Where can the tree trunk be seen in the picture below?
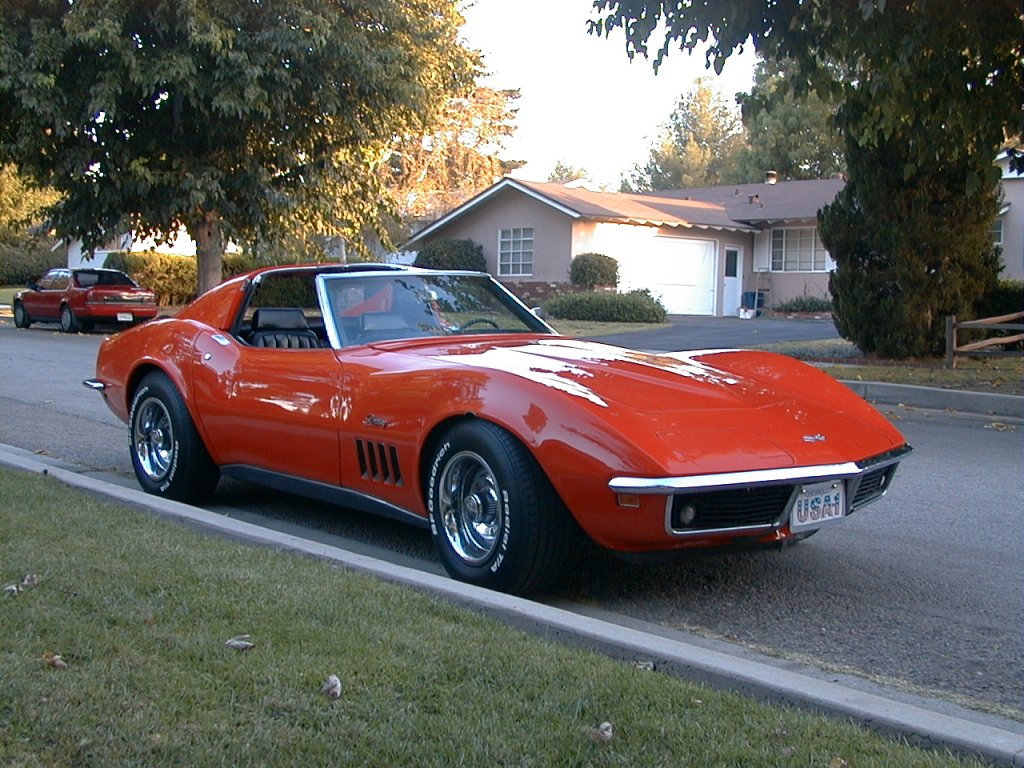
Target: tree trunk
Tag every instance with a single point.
(209, 240)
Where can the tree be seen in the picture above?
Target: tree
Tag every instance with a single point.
(427, 175)
(237, 119)
(698, 145)
(927, 92)
(794, 136)
(564, 172)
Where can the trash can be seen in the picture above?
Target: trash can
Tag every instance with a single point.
(753, 299)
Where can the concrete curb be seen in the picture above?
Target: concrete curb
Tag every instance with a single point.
(993, 740)
(939, 399)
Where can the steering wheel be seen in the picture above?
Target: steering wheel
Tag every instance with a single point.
(478, 321)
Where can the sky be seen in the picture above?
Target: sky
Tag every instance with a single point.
(583, 102)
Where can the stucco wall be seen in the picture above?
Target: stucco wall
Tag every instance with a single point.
(1013, 225)
(551, 234)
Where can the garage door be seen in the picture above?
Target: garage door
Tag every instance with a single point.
(679, 272)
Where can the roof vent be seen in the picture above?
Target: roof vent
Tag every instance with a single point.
(771, 177)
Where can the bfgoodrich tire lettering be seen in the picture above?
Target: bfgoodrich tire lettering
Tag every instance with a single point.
(495, 518)
(168, 455)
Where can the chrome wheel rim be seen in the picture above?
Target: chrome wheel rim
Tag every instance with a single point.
(471, 508)
(19, 314)
(153, 439)
(66, 319)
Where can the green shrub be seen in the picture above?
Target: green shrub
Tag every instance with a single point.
(24, 258)
(805, 304)
(1005, 298)
(590, 269)
(603, 306)
(452, 254)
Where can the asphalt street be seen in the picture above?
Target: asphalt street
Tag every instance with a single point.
(920, 590)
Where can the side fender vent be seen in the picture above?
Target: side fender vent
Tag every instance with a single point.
(378, 462)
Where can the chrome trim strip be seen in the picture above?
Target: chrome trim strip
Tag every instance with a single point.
(94, 384)
(671, 485)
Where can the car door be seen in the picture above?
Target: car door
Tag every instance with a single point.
(275, 409)
(43, 301)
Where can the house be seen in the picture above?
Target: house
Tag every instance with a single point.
(698, 250)
(1008, 231)
(180, 245)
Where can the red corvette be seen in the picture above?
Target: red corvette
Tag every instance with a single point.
(77, 298)
(438, 398)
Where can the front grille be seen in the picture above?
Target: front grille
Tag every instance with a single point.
(872, 486)
(379, 462)
(735, 508)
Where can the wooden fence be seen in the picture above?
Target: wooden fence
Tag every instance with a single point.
(989, 346)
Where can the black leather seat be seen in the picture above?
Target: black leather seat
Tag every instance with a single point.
(282, 328)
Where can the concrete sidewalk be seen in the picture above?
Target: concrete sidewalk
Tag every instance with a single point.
(923, 721)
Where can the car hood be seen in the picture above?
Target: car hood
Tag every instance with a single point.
(701, 410)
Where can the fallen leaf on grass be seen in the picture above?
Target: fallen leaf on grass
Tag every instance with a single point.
(788, 751)
(241, 643)
(646, 666)
(602, 734)
(54, 660)
(838, 762)
(331, 687)
(13, 590)
(30, 580)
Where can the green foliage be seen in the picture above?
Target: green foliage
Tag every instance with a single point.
(804, 304)
(907, 253)
(237, 120)
(603, 306)
(172, 278)
(590, 269)
(791, 135)
(25, 258)
(564, 172)
(1005, 298)
(452, 254)
(698, 145)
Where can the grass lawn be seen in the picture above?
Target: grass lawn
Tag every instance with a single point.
(7, 293)
(140, 609)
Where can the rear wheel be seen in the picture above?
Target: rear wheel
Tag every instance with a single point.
(68, 321)
(494, 516)
(168, 454)
(21, 318)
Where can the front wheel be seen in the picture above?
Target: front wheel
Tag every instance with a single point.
(21, 318)
(494, 516)
(168, 454)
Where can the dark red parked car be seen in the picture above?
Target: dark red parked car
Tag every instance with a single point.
(77, 298)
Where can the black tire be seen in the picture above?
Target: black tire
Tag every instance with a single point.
(68, 321)
(168, 455)
(21, 316)
(495, 519)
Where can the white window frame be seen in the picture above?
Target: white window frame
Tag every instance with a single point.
(515, 252)
(997, 231)
(797, 249)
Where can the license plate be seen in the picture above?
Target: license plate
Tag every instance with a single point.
(124, 317)
(818, 504)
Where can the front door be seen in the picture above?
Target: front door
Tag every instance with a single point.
(732, 294)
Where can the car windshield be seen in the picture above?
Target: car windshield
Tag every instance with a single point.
(364, 308)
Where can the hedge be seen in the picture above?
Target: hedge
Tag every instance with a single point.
(452, 254)
(23, 259)
(634, 307)
(172, 278)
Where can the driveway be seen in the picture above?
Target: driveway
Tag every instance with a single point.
(691, 332)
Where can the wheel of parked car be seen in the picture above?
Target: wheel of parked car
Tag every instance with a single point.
(168, 454)
(21, 318)
(68, 321)
(495, 518)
